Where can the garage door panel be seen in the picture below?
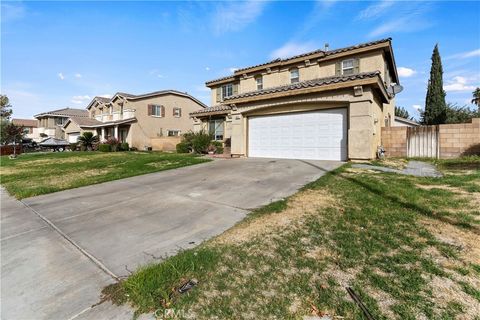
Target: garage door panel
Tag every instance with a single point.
(313, 135)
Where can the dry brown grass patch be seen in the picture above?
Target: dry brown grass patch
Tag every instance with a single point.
(300, 205)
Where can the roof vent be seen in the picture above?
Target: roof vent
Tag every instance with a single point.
(326, 47)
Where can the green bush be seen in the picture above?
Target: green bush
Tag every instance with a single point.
(124, 146)
(73, 146)
(196, 141)
(218, 147)
(104, 147)
(183, 147)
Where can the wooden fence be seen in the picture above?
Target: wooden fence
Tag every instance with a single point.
(422, 141)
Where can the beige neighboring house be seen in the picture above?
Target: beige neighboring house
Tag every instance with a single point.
(50, 123)
(28, 126)
(152, 120)
(402, 122)
(325, 104)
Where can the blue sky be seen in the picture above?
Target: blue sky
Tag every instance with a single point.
(59, 54)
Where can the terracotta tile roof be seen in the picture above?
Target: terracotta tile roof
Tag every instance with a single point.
(65, 112)
(306, 84)
(321, 52)
(218, 108)
(25, 122)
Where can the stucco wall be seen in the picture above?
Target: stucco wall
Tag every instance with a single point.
(165, 143)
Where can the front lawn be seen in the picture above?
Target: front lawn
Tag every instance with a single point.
(40, 173)
(408, 246)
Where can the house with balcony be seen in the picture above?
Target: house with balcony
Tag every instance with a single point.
(143, 121)
(325, 104)
(50, 123)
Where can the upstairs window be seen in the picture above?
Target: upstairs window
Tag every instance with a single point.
(227, 91)
(259, 81)
(177, 112)
(173, 133)
(348, 67)
(294, 76)
(60, 121)
(156, 110)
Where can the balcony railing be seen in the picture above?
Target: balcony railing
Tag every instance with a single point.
(116, 116)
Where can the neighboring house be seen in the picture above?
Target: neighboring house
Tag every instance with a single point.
(402, 122)
(140, 120)
(28, 126)
(325, 104)
(50, 123)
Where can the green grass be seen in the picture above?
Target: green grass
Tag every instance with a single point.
(375, 238)
(40, 173)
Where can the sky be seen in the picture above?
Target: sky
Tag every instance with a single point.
(63, 53)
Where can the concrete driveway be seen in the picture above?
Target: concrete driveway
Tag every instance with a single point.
(59, 250)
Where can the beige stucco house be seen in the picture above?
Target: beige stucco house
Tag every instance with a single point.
(144, 121)
(50, 123)
(28, 126)
(325, 104)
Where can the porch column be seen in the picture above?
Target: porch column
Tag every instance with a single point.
(103, 134)
(115, 132)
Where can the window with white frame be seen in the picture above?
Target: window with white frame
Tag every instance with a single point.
(177, 112)
(294, 76)
(156, 111)
(60, 121)
(259, 81)
(227, 90)
(173, 133)
(347, 67)
(215, 129)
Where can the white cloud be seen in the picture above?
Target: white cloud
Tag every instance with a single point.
(405, 72)
(160, 76)
(78, 75)
(375, 10)
(465, 55)
(408, 18)
(291, 49)
(80, 99)
(417, 107)
(207, 68)
(106, 95)
(61, 76)
(459, 83)
(234, 16)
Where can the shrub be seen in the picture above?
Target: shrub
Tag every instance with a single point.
(183, 147)
(197, 141)
(88, 140)
(124, 146)
(218, 147)
(73, 146)
(114, 144)
(104, 147)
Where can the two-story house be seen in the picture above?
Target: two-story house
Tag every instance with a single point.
(136, 119)
(325, 104)
(50, 123)
(28, 126)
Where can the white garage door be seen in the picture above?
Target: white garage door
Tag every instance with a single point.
(318, 135)
(73, 137)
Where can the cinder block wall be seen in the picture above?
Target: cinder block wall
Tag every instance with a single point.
(459, 139)
(394, 141)
(455, 140)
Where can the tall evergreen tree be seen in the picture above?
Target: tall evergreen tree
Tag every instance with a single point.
(435, 105)
(402, 112)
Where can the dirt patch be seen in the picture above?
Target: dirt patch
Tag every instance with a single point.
(162, 164)
(394, 163)
(300, 205)
(384, 300)
(463, 239)
(445, 290)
